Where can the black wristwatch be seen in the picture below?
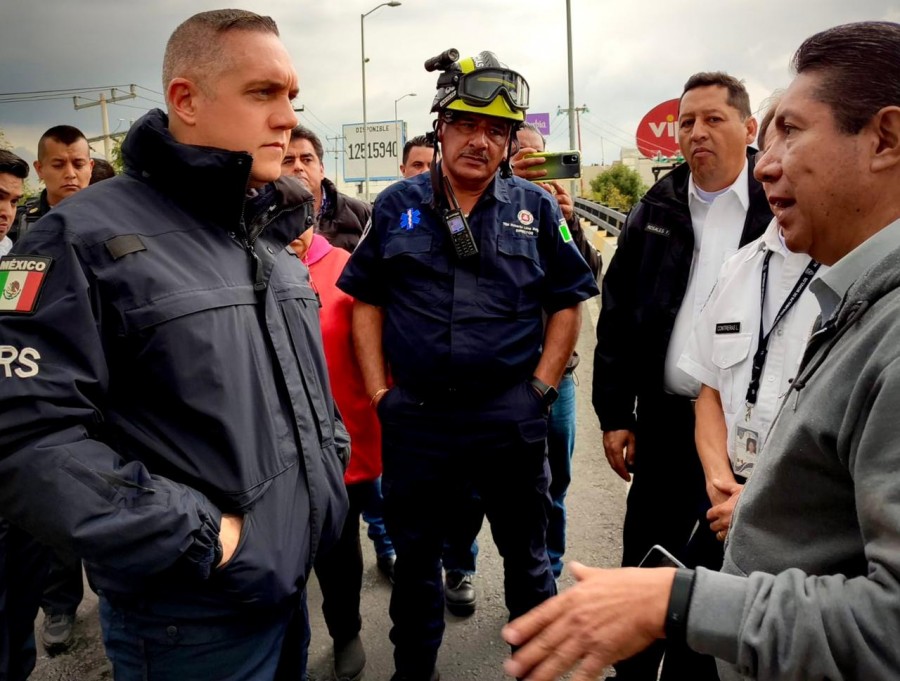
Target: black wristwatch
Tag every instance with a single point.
(679, 605)
(548, 393)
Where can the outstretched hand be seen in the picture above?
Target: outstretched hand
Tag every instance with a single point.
(609, 615)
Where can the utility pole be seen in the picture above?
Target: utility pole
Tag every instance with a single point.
(571, 110)
(575, 111)
(104, 114)
(337, 150)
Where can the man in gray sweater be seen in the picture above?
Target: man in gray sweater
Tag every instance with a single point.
(810, 588)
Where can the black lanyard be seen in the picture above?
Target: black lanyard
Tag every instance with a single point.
(759, 359)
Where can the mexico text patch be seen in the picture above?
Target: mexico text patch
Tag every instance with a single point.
(21, 279)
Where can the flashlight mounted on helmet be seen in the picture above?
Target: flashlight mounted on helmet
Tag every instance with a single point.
(479, 84)
(443, 61)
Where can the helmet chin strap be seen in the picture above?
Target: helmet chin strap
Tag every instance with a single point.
(505, 165)
(437, 188)
(505, 168)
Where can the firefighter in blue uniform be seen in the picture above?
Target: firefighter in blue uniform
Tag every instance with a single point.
(468, 290)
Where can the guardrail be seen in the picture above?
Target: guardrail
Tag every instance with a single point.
(601, 216)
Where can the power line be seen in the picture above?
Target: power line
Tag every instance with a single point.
(66, 90)
(132, 106)
(155, 101)
(155, 92)
(312, 126)
(321, 122)
(67, 93)
(102, 102)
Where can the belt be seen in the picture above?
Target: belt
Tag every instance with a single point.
(448, 394)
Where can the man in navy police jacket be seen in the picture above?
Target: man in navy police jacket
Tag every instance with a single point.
(165, 410)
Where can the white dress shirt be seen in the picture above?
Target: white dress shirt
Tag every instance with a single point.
(721, 349)
(6, 245)
(718, 225)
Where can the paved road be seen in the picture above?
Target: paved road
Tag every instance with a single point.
(472, 646)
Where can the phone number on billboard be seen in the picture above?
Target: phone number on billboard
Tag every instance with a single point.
(376, 150)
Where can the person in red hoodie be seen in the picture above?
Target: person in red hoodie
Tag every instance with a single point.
(340, 570)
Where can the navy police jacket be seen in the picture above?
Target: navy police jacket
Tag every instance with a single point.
(643, 290)
(166, 368)
(33, 210)
(473, 324)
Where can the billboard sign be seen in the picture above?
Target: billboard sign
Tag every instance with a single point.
(385, 146)
(657, 133)
(541, 121)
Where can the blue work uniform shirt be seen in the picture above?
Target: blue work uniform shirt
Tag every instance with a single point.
(475, 324)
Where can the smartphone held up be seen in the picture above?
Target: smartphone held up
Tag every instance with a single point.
(560, 165)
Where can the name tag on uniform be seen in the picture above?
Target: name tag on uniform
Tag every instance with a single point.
(656, 229)
(728, 327)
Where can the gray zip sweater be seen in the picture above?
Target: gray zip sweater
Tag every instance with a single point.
(810, 588)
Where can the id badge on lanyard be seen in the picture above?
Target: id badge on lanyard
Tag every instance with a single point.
(746, 445)
(747, 441)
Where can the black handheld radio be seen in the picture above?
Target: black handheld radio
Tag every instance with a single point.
(455, 220)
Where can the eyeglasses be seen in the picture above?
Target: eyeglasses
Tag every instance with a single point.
(496, 133)
(481, 87)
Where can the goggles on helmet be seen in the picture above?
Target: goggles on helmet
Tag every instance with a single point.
(482, 86)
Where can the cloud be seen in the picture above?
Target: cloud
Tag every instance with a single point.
(627, 57)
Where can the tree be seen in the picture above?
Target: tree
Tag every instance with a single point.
(117, 160)
(620, 187)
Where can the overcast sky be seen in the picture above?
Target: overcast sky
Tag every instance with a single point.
(629, 55)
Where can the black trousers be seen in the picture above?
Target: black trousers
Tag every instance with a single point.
(340, 569)
(437, 452)
(667, 501)
(23, 569)
(65, 586)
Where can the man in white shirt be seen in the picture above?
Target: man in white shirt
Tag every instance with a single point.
(733, 418)
(809, 587)
(745, 373)
(666, 264)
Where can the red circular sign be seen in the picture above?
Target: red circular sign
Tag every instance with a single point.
(657, 133)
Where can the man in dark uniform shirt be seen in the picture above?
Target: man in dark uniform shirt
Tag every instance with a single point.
(452, 281)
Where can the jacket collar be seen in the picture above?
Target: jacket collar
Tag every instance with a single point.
(330, 197)
(208, 182)
(671, 194)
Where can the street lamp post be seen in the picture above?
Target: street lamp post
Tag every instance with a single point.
(396, 119)
(362, 40)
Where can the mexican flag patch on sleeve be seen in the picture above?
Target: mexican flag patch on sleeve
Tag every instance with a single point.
(564, 231)
(21, 279)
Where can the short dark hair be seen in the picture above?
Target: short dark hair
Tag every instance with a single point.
(303, 133)
(13, 165)
(859, 65)
(64, 134)
(737, 94)
(102, 170)
(417, 141)
(195, 50)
